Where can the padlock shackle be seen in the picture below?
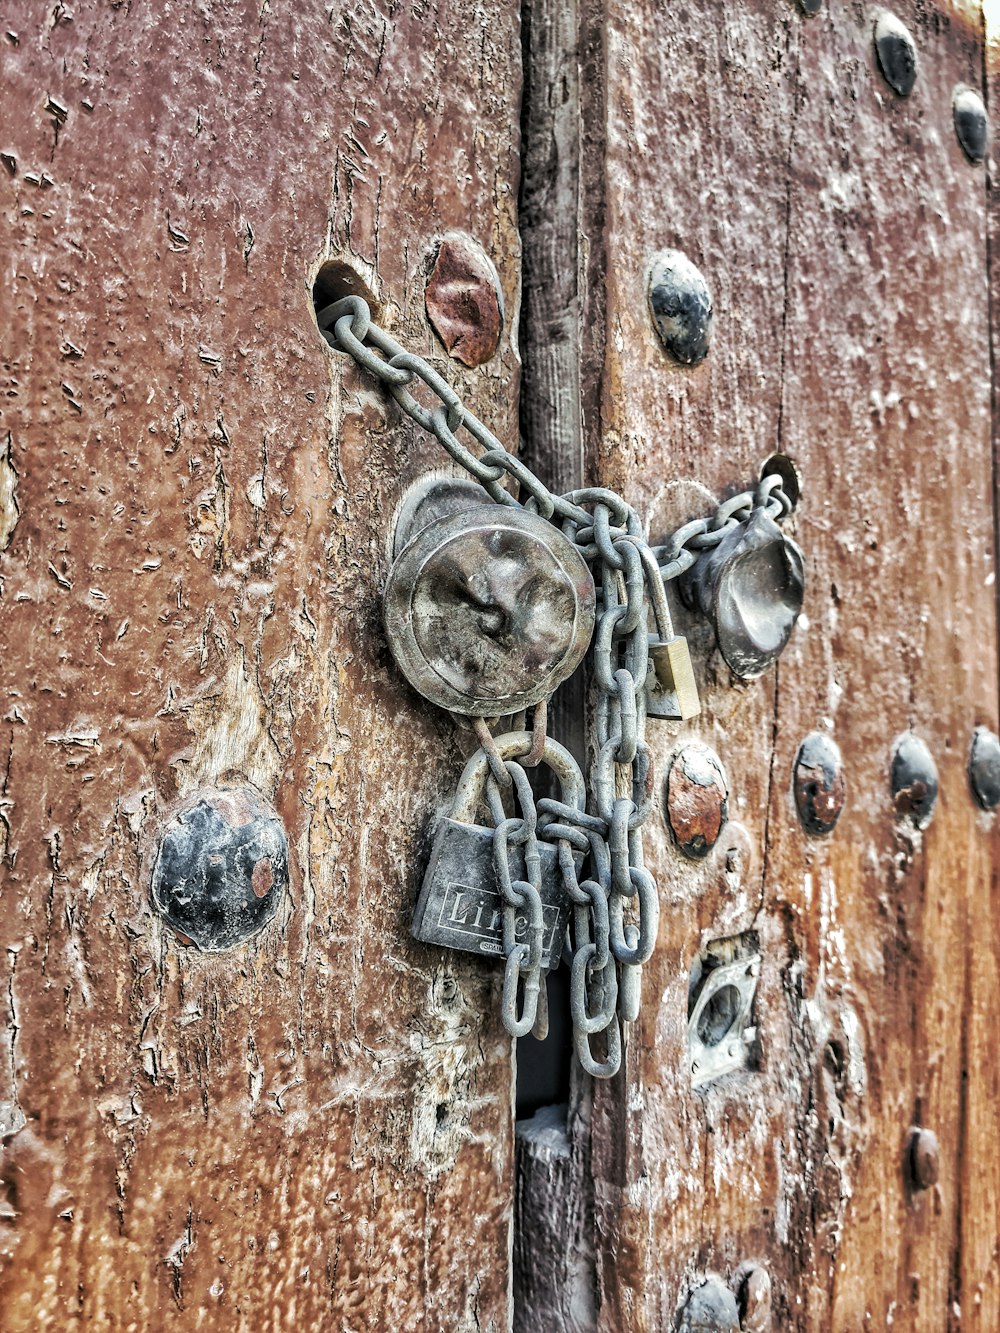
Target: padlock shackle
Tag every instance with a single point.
(471, 790)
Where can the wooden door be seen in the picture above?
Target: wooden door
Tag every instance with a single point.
(316, 1127)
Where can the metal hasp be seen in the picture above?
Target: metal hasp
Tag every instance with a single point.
(221, 867)
(897, 56)
(971, 125)
(818, 783)
(914, 779)
(681, 306)
(984, 768)
(460, 904)
(751, 587)
(711, 1308)
(719, 1030)
(697, 799)
(487, 611)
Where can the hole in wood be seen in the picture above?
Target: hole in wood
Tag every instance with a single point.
(337, 279)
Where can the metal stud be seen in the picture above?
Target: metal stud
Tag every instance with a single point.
(221, 867)
(463, 301)
(819, 783)
(697, 799)
(923, 1158)
(914, 780)
(971, 125)
(711, 1308)
(754, 1297)
(984, 767)
(681, 307)
(896, 52)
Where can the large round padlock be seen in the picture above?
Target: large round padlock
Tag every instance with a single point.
(489, 610)
(751, 588)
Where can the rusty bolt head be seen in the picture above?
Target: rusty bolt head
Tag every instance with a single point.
(488, 610)
(463, 301)
(984, 767)
(755, 1300)
(896, 52)
(711, 1308)
(819, 783)
(697, 799)
(681, 306)
(924, 1157)
(221, 867)
(914, 780)
(971, 125)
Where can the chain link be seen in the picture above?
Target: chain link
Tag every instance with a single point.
(616, 908)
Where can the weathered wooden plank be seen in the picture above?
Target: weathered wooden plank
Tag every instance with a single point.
(313, 1130)
(842, 232)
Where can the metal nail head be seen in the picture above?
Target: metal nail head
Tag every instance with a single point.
(924, 1157)
(221, 867)
(818, 783)
(681, 307)
(984, 767)
(971, 125)
(697, 799)
(914, 780)
(896, 52)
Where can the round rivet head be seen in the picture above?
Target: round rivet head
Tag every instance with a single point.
(463, 301)
(819, 783)
(923, 1158)
(488, 610)
(221, 867)
(971, 125)
(984, 768)
(711, 1308)
(697, 799)
(896, 52)
(681, 306)
(914, 780)
(755, 1301)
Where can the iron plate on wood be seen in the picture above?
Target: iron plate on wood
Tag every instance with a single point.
(489, 610)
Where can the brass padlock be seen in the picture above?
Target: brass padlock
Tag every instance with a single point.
(672, 691)
(459, 906)
(489, 610)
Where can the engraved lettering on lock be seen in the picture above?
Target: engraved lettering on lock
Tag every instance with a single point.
(477, 914)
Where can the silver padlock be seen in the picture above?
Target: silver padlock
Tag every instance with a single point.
(460, 906)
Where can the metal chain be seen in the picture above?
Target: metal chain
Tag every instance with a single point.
(524, 957)
(615, 909)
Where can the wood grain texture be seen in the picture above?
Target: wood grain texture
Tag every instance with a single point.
(313, 1131)
(843, 234)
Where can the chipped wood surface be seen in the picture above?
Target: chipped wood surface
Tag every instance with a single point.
(195, 497)
(843, 234)
(195, 503)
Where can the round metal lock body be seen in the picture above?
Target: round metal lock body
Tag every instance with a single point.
(221, 867)
(489, 610)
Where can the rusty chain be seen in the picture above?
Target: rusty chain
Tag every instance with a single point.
(607, 950)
